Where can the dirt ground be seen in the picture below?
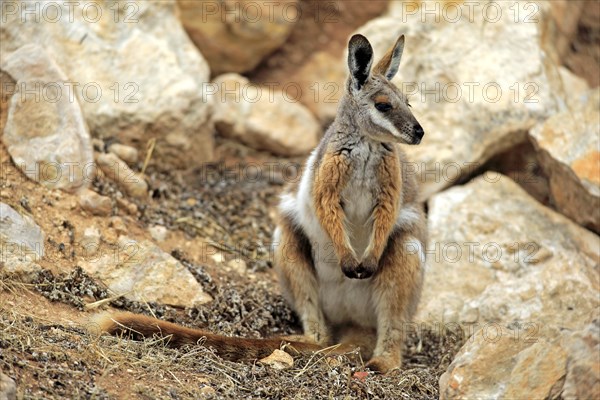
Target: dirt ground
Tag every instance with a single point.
(44, 345)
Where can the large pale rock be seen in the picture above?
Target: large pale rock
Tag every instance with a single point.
(141, 271)
(45, 132)
(523, 277)
(130, 65)
(476, 84)
(235, 36)
(21, 244)
(583, 364)
(501, 363)
(262, 117)
(568, 146)
(498, 364)
(497, 255)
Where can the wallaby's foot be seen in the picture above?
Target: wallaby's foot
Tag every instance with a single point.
(384, 365)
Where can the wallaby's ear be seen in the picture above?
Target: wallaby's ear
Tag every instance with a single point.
(360, 58)
(388, 65)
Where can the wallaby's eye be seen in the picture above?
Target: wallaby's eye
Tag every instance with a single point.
(383, 107)
(408, 104)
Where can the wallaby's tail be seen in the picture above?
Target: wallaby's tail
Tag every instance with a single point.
(230, 348)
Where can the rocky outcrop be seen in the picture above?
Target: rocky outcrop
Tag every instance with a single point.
(130, 66)
(568, 146)
(498, 364)
(501, 363)
(22, 244)
(520, 276)
(262, 117)
(45, 131)
(235, 36)
(141, 271)
(496, 255)
(476, 86)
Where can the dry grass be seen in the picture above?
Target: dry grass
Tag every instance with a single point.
(50, 360)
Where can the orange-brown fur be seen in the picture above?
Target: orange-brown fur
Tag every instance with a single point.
(232, 348)
(331, 177)
(386, 212)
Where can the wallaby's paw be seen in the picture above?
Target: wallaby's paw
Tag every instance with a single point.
(368, 267)
(383, 365)
(349, 265)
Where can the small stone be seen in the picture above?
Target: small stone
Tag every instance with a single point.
(207, 392)
(8, 388)
(94, 203)
(118, 225)
(98, 144)
(158, 233)
(238, 265)
(118, 171)
(278, 360)
(127, 206)
(126, 153)
(90, 241)
(110, 236)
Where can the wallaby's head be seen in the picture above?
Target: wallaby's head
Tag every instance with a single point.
(383, 110)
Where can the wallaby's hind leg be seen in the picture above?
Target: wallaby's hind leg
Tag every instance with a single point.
(294, 262)
(397, 288)
(351, 337)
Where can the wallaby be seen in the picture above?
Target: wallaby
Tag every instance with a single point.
(349, 244)
(351, 235)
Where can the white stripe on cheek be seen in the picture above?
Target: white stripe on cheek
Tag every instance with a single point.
(384, 123)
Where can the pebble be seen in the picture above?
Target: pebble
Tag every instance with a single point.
(158, 232)
(238, 265)
(94, 203)
(126, 153)
(90, 241)
(118, 171)
(118, 225)
(278, 360)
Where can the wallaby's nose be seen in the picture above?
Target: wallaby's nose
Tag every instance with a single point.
(418, 132)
